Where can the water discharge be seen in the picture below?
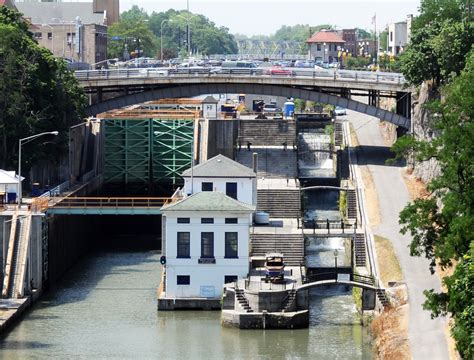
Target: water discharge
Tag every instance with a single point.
(105, 308)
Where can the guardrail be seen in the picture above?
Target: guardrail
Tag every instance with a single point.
(334, 275)
(170, 73)
(109, 202)
(55, 191)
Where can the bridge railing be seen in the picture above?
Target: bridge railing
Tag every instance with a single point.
(170, 73)
(109, 202)
(335, 275)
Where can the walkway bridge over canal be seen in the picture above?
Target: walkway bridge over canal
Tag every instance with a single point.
(107, 205)
(118, 88)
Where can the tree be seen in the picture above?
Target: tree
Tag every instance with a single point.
(37, 93)
(442, 226)
(440, 40)
(132, 34)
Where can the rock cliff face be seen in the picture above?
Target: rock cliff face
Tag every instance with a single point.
(423, 130)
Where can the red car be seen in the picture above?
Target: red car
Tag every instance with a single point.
(278, 70)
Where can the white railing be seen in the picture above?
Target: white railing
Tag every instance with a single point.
(56, 191)
(196, 72)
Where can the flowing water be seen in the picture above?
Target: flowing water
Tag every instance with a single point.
(105, 308)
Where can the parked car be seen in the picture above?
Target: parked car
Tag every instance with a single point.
(339, 111)
(278, 70)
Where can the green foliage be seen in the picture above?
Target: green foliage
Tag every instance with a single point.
(300, 105)
(343, 204)
(206, 37)
(356, 63)
(439, 42)
(383, 39)
(37, 93)
(442, 226)
(134, 34)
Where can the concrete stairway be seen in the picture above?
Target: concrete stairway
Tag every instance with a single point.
(359, 250)
(351, 205)
(272, 163)
(338, 134)
(242, 300)
(290, 245)
(288, 303)
(279, 203)
(267, 132)
(15, 268)
(383, 298)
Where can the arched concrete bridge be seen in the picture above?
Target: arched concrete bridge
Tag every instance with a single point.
(350, 279)
(132, 87)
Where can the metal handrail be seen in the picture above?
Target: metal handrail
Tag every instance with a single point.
(109, 202)
(170, 73)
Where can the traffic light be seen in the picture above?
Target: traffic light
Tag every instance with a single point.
(163, 260)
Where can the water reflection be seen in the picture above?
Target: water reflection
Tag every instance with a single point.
(106, 309)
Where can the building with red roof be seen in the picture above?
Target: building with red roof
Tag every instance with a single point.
(324, 46)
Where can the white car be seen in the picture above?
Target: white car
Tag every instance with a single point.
(339, 111)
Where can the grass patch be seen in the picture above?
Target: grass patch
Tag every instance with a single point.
(387, 260)
(343, 204)
(354, 140)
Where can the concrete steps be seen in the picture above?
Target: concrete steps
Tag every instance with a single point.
(288, 304)
(279, 203)
(267, 132)
(242, 300)
(338, 134)
(290, 245)
(351, 204)
(383, 298)
(359, 250)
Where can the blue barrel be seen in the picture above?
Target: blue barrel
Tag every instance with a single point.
(288, 108)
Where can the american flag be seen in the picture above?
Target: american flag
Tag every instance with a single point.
(373, 19)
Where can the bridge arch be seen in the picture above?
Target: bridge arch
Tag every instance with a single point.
(313, 284)
(191, 90)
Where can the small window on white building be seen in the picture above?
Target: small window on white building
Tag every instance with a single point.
(231, 245)
(183, 280)
(318, 47)
(50, 36)
(230, 279)
(207, 186)
(183, 221)
(231, 190)
(207, 220)
(38, 35)
(231, 220)
(207, 245)
(183, 245)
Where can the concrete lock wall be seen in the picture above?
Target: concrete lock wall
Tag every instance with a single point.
(368, 299)
(222, 137)
(65, 247)
(270, 301)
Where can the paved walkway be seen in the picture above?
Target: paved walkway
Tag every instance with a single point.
(426, 336)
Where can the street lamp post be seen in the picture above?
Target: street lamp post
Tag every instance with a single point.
(336, 254)
(25, 141)
(188, 18)
(161, 33)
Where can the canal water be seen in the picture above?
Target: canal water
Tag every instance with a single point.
(105, 308)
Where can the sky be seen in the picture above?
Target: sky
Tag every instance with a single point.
(252, 17)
